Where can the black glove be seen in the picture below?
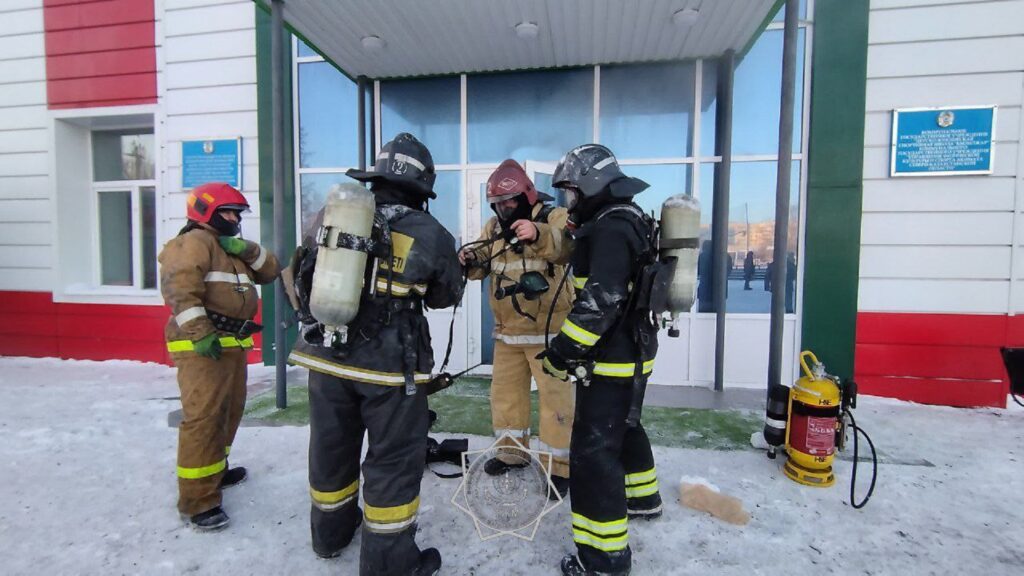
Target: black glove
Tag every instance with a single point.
(554, 365)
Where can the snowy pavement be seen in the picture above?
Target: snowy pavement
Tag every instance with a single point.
(88, 487)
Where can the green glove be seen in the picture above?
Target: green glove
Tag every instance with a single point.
(232, 245)
(208, 346)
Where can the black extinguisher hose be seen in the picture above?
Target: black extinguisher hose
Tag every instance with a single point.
(1016, 399)
(857, 430)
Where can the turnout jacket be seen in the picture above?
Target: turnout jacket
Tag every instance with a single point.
(389, 337)
(198, 278)
(609, 252)
(548, 254)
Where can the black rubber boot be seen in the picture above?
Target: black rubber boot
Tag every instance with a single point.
(571, 567)
(561, 486)
(496, 466)
(233, 476)
(328, 554)
(644, 508)
(430, 563)
(209, 521)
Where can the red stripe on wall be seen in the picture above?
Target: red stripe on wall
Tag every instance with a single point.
(100, 53)
(950, 359)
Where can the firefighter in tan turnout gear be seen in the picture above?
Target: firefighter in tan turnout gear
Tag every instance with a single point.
(208, 277)
(524, 236)
(372, 380)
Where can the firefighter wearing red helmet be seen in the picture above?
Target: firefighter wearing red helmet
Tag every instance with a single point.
(541, 245)
(208, 277)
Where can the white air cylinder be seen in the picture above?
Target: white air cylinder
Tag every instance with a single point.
(680, 239)
(338, 277)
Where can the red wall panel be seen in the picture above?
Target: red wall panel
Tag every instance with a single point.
(100, 53)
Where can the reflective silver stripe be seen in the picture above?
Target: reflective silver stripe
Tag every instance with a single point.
(261, 258)
(352, 373)
(498, 432)
(190, 314)
(605, 162)
(522, 339)
(777, 424)
(334, 506)
(654, 510)
(562, 453)
(527, 265)
(228, 277)
(410, 160)
(389, 527)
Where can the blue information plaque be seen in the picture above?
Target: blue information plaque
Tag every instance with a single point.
(951, 141)
(205, 161)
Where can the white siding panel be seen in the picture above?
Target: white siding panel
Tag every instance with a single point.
(876, 163)
(1000, 89)
(23, 94)
(969, 20)
(34, 279)
(215, 18)
(895, 4)
(211, 47)
(18, 117)
(25, 234)
(34, 140)
(202, 126)
(26, 164)
(211, 73)
(24, 187)
(946, 57)
(26, 256)
(171, 5)
(28, 46)
(23, 21)
(213, 99)
(36, 210)
(936, 296)
(948, 262)
(17, 5)
(989, 194)
(943, 228)
(23, 70)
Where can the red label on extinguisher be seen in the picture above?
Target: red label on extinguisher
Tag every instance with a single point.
(821, 436)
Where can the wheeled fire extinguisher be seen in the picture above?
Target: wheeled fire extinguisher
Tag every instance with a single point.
(818, 411)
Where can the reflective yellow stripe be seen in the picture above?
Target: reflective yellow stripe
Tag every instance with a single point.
(351, 372)
(604, 528)
(579, 282)
(201, 472)
(391, 514)
(613, 544)
(621, 369)
(398, 288)
(641, 477)
(336, 496)
(225, 342)
(227, 450)
(579, 334)
(641, 490)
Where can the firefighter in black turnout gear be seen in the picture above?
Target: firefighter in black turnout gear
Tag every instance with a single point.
(608, 344)
(361, 385)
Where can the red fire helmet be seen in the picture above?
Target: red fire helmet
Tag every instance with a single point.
(205, 200)
(508, 181)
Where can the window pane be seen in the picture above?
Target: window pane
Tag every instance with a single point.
(757, 95)
(447, 208)
(781, 14)
(313, 193)
(647, 111)
(123, 155)
(327, 117)
(751, 229)
(115, 228)
(428, 109)
(305, 50)
(147, 216)
(529, 115)
(665, 179)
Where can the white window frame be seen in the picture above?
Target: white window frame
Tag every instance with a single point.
(133, 187)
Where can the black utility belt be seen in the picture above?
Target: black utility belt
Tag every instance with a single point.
(237, 326)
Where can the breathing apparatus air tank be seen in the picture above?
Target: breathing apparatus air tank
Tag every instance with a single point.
(679, 242)
(338, 278)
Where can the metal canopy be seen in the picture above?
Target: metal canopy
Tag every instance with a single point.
(437, 37)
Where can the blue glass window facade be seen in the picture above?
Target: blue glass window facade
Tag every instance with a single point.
(429, 109)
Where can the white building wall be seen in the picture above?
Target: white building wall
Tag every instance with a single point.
(944, 244)
(26, 261)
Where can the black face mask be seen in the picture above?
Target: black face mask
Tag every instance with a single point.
(225, 228)
(587, 207)
(522, 211)
(387, 193)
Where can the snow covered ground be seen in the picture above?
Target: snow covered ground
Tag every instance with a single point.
(88, 487)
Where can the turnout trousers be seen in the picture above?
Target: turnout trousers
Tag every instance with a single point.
(510, 402)
(212, 401)
(613, 475)
(396, 424)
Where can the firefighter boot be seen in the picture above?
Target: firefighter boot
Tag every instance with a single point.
(571, 567)
(430, 563)
(210, 521)
(233, 477)
(644, 507)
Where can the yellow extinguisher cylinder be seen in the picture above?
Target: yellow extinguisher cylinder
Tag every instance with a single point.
(814, 404)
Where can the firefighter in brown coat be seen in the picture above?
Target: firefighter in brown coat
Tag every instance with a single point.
(541, 246)
(208, 277)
